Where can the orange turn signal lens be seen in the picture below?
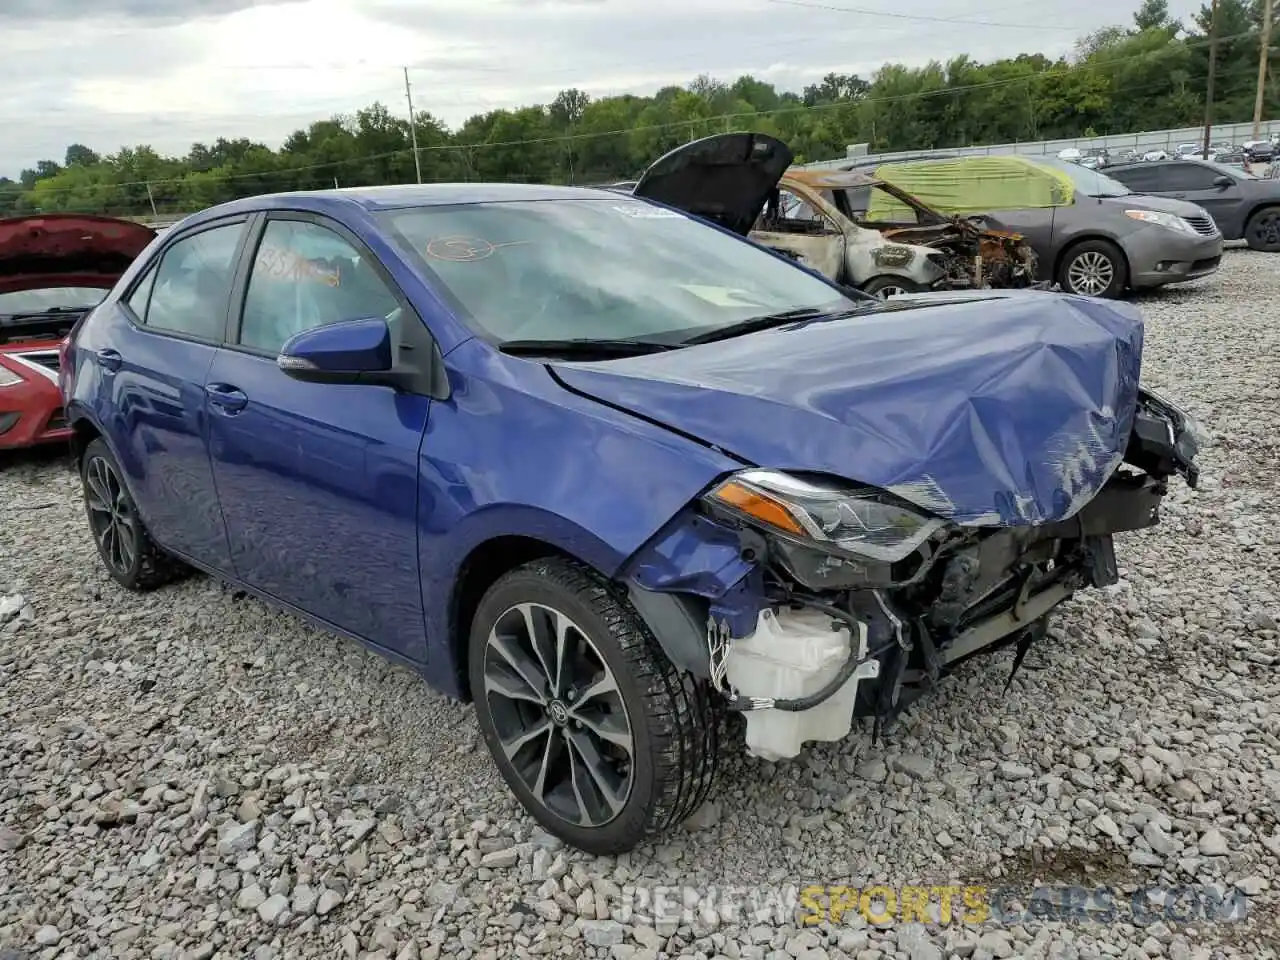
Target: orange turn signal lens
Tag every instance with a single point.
(757, 505)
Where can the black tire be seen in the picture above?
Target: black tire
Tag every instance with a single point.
(132, 558)
(876, 285)
(672, 719)
(1107, 262)
(1262, 232)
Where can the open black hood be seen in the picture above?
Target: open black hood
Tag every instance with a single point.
(724, 178)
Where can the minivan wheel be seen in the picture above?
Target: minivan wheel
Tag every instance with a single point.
(598, 735)
(1262, 232)
(1094, 268)
(132, 558)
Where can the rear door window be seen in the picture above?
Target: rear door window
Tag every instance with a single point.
(187, 293)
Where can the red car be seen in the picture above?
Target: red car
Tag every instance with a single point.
(54, 268)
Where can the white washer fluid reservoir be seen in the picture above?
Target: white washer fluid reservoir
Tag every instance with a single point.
(792, 654)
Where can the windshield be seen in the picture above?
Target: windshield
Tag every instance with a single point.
(50, 298)
(607, 269)
(1089, 182)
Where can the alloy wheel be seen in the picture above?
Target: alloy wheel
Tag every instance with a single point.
(559, 715)
(1091, 273)
(892, 291)
(111, 517)
(1266, 229)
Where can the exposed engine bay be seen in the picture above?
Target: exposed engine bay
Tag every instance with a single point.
(806, 607)
(974, 257)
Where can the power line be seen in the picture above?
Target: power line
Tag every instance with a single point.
(671, 125)
(863, 12)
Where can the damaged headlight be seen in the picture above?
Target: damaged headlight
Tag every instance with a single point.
(828, 515)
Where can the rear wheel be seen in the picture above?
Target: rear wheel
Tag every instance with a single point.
(132, 558)
(1094, 268)
(1262, 232)
(601, 739)
(891, 286)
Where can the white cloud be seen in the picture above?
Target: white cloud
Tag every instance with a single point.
(168, 74)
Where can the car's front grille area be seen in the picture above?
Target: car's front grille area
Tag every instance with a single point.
(1203, 225)
(46, 358)
(58, 421)
(1205, 265)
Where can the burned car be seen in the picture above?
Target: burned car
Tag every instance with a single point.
(975, 253)
(744, 181)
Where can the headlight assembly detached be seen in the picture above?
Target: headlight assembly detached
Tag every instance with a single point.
(829, 516)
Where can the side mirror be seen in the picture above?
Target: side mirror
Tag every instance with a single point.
(354, 351)
(1222, 181)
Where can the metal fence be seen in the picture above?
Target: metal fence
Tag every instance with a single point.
(1166, 140)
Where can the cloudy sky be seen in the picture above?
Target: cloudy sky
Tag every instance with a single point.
(170, 72)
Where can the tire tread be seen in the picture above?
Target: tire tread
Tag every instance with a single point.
(682, 713)
(155, 566)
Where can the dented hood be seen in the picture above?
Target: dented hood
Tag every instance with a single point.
(983, 408)
(726, 178)
(67, 250)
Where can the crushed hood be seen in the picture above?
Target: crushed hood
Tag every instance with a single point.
(67, 250)
(726, 178)
(1010, 411)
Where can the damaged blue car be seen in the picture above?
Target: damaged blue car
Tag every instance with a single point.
(608, 470)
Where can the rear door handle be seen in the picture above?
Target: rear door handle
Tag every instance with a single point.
(230, 399)
(109, 358)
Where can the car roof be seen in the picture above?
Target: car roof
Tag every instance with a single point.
(401, 196)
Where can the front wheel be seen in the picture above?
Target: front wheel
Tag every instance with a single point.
(133, 559)
(598, 735)
(1262, 232)
(885, 287)
(1094, 268)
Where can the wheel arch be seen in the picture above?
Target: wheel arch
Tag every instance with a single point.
(482, 567)
(83, 432)
(1061, 258)
(1255, 209)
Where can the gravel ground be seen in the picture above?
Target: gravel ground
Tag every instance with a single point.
(191, 774)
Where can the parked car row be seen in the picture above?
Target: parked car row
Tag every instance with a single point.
(938, 222)
(608, 469)
(746, 183)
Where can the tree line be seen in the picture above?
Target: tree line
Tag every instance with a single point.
(1150, 75)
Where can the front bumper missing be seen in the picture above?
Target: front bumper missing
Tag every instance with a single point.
(995, 590)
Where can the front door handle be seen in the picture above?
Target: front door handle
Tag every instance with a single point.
(109, 358)
(228, 398)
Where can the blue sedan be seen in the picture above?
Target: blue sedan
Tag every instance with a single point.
(608, 470)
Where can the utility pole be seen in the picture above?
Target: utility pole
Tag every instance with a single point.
(151, 197)
(1264, 51)
(413, 124)
(1213, 60)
